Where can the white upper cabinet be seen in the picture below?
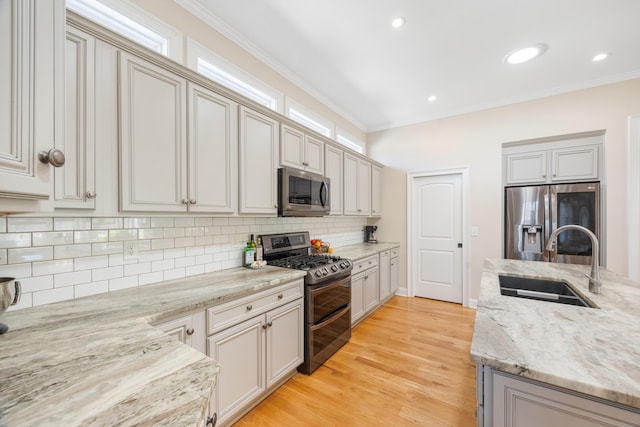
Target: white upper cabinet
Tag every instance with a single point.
(258, 163)
(357, 186)
(31, 100)
(333, 171)
(213, 151)
(153, 137)
(301, 151)
(573, 158)
(376, 190)
(162, 169)
(75, 183)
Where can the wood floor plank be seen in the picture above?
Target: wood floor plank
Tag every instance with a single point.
(406, 365)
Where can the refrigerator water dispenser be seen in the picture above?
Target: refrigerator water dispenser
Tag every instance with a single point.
(532, 239)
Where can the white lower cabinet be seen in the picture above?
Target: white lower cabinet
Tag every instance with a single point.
(385, 275)
(511, 401)
(258, 353)
(394, 271)
(188, 329)
(364, 287)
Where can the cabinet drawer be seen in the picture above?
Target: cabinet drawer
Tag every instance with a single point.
(364, 263)
(230, 313)
(395, 252)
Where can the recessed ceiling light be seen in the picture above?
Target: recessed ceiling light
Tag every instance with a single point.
(432, 98)
(600, 57)
(526, 54)
(398, 22)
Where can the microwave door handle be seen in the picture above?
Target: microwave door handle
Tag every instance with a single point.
(323, 191)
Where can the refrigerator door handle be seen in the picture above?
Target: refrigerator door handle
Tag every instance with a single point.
(547, 225)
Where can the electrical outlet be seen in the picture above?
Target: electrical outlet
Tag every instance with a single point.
(131, 249)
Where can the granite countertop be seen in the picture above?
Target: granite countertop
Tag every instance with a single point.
(363, 250)
(97, 360)
(595, 351)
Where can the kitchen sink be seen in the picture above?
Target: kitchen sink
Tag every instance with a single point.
(542, 290)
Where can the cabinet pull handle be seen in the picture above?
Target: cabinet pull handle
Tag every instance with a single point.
(190, 331)
(91, 194)
(54, 157)
(268, 325)
(192, 201)
(212, 420)
(280, 296)
(249, 307)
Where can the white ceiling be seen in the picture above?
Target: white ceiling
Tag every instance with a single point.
(346, 53)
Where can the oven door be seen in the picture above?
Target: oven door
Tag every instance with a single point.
(302, 193)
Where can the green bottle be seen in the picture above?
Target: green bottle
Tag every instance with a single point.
(249, 252)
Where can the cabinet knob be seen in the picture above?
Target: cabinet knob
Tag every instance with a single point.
(268, 325)
(190, 331)
(275, 206)
(54, 157)
(185, 201)
(249, 307)
(91, 194)
(212, 420)
(192, 201)
(280, 296)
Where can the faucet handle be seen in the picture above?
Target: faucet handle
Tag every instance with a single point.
(595, 285)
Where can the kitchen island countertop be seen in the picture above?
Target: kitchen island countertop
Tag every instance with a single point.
(595, 351)
(97, 361)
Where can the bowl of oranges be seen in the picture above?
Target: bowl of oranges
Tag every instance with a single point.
(320, 247)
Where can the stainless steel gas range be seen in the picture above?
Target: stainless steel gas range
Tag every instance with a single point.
(327, 295)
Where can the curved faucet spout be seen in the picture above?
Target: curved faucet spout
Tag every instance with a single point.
(595, 285)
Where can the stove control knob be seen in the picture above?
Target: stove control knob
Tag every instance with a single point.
(334, 268)
(325, 271)
(318, 273)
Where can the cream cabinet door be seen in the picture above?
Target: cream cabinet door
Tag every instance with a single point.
(213, 151)
(240, 350)
(258, 163)
(285, 341)
(350, 199)
(31, 97)
(333, 171)
(314, 155)
(364, 187)
(371, 297)
(376, 190)
(575, 163)
(189, 330)
(526, 168)
(357, 297)
(75, 183)
(385, 275)
(394, 272)
(291, 147)
(153, 137)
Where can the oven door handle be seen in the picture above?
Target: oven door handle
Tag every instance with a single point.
(331, 319)
(330, 286)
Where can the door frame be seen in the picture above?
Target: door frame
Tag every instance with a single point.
(633, 197)
(411, 176)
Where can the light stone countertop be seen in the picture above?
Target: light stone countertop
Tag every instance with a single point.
(96, 361)
(363, 250)
(595, 351)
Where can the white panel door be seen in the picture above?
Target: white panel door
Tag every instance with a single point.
(213, 151)
(437, 225)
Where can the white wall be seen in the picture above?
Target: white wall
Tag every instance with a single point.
(475, 140)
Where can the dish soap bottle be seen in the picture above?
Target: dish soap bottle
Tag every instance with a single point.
(249, 252)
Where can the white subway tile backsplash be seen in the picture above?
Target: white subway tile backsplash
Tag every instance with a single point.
(17, 256)
(71, 257)
(71, 251)
(15, 224)
(48, 238)
(15, 240)
(93, 288)
(74, 278)
(106, 223)
(108, 273)
(52, 295)
(92, 262)
(123, 283)
(34, 284)
(65, 224)
(52, 267)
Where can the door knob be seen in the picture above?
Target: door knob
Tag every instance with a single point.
(54, 157)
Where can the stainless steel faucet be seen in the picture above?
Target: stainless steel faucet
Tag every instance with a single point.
(595, 285)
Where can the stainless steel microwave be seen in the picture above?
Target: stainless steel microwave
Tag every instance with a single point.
(302, 193)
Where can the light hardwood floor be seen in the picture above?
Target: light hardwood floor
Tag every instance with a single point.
(406, 364)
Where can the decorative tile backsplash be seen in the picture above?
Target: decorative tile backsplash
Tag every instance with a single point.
(62, 258)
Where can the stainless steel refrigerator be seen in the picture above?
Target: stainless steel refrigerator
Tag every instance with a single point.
(533, 213)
